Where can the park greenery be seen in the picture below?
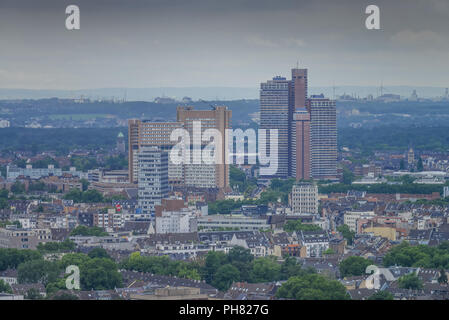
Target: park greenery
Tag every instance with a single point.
(53, 247)
(240, 182)
(89, 196)
(5, 287)
(277, 192)
(346, 233)
(312, 287)
(406, 255)
(219, 269)
(410, 188)
(410, 281)
(88, 231)
(297, 225)
(97, 270)
(60, 140)
(394, 138)
(4, 198)
(354, 266)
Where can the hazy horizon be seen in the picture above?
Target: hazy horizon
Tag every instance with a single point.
(204, 43)
(208, 93)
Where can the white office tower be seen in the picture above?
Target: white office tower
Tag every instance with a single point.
(153, 177)
(182, 221)
(304, 198)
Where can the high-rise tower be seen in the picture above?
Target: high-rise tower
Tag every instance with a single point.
(300, 145)
(275, 113)
(323, 132)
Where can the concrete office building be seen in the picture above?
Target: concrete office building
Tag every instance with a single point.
(304, 198)
(207, 175)
(275, 113)
(147, 133)
(144, 133)
(279, 99)
(182, 221)
(18, 238)
(153, 178)
(235, 222)
(323, 132)
(298, 88)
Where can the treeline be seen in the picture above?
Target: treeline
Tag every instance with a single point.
(410, 188)
(61, 140)
(424, 256)
(98, 271)
(89, 196)
(396, 138)
(219, 269)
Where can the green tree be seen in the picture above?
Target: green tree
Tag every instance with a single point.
(5, 287)
(33, 294)
(214, 260)
(76, 259)
(99, 253)
(346, 233)
(85, 184)
(410, 281)
(3, 203)
(443, 277)
(242, 259)
(88, 231)
(419, 166)
(291, 268)
(354, 266)
(297, 225)
(402, 165)
(12, 258)
(312, 287)
(38, 271)
(265, 270)
(18, 188)
(53, 287)
(64, 246)
(348, 176)
(100, 274)
(225, 276)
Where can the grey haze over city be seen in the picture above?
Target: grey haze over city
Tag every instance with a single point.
(220, 49)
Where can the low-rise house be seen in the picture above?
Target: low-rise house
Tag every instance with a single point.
(22, 289)
(252, 291)
(9, 276)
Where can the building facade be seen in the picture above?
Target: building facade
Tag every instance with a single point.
(300, 145)
(153, 178)
(182, 221)
(323, 132)
(304, 198)
(144, 133)
(279, 100)
(205, 175)
(275, 113)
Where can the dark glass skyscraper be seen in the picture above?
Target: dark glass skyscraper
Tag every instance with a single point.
(323, 127)
(279, 98)
(275, 113)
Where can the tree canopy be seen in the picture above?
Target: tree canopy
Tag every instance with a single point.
(312, 287)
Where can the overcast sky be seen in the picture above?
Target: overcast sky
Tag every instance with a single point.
(236, 43)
